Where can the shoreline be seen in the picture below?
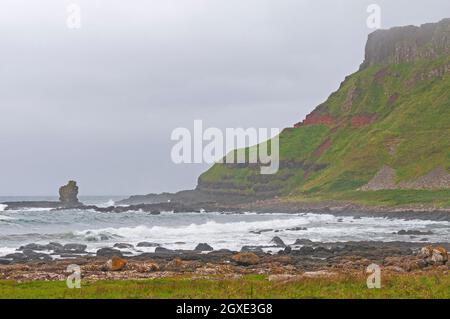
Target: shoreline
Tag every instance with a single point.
(315, 258)
(272, 206)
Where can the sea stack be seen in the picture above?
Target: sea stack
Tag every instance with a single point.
(68, 194)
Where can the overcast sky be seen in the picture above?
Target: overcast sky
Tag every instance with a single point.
(98, 104)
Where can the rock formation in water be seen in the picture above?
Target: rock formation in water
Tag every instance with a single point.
(68, 194)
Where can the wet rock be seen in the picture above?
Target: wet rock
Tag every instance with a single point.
(306, 250)
(147, 244)
(303, 242)
(4, 261)
(32, 255)
(297, 229)
(73, 248)
(277, 241)
(285, 251)
(162, 250)
(413, 232)
(252, 249)
(246, 259)
(123, 246)
(108, 252)
(115, 264)
(54, 246)
(16, 257)
(259, 232)
(34, 246)
(203, 247)
(68, 194)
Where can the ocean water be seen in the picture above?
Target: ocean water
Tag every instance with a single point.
(186, 230)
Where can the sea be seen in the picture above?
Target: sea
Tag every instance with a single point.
(221, 230)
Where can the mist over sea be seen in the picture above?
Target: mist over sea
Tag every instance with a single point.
(186, 230)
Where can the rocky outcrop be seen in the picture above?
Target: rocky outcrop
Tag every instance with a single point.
(386, 179)
(316, 118)
(408, 44)
(68, 194)
(362, 120)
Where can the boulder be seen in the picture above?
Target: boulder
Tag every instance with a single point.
(246, 259)
(303, 242)
(426, 252)
(68, 194)
(115, 264)
(439, 256)
(4, 261)
(34, 246)
(277, 241)
(203, 247)
(108, 252)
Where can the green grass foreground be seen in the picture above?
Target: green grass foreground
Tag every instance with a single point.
(252, 286)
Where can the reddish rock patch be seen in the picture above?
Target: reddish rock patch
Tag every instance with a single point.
(315, 118)
(393, 98)
(362, 120)
(323, 147)
(380, 75)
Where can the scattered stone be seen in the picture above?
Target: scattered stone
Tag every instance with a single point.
(277, 241)
(203, 247)
(246, 259)
(108, 252)
(144, 267)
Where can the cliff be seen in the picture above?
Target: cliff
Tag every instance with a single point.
(386, 128)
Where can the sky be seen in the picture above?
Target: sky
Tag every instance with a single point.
(98, 103)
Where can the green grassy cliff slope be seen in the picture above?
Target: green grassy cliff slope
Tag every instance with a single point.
(386, 129)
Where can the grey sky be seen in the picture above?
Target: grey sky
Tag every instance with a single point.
(98, 104)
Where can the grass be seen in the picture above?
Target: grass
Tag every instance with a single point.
(398, 286)
(386, 198)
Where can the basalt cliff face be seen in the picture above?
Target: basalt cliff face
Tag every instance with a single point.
(386, 128)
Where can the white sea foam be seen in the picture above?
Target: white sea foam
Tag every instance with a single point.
(7, 250)
(107, 204)
(6, 218)
(3, 207)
